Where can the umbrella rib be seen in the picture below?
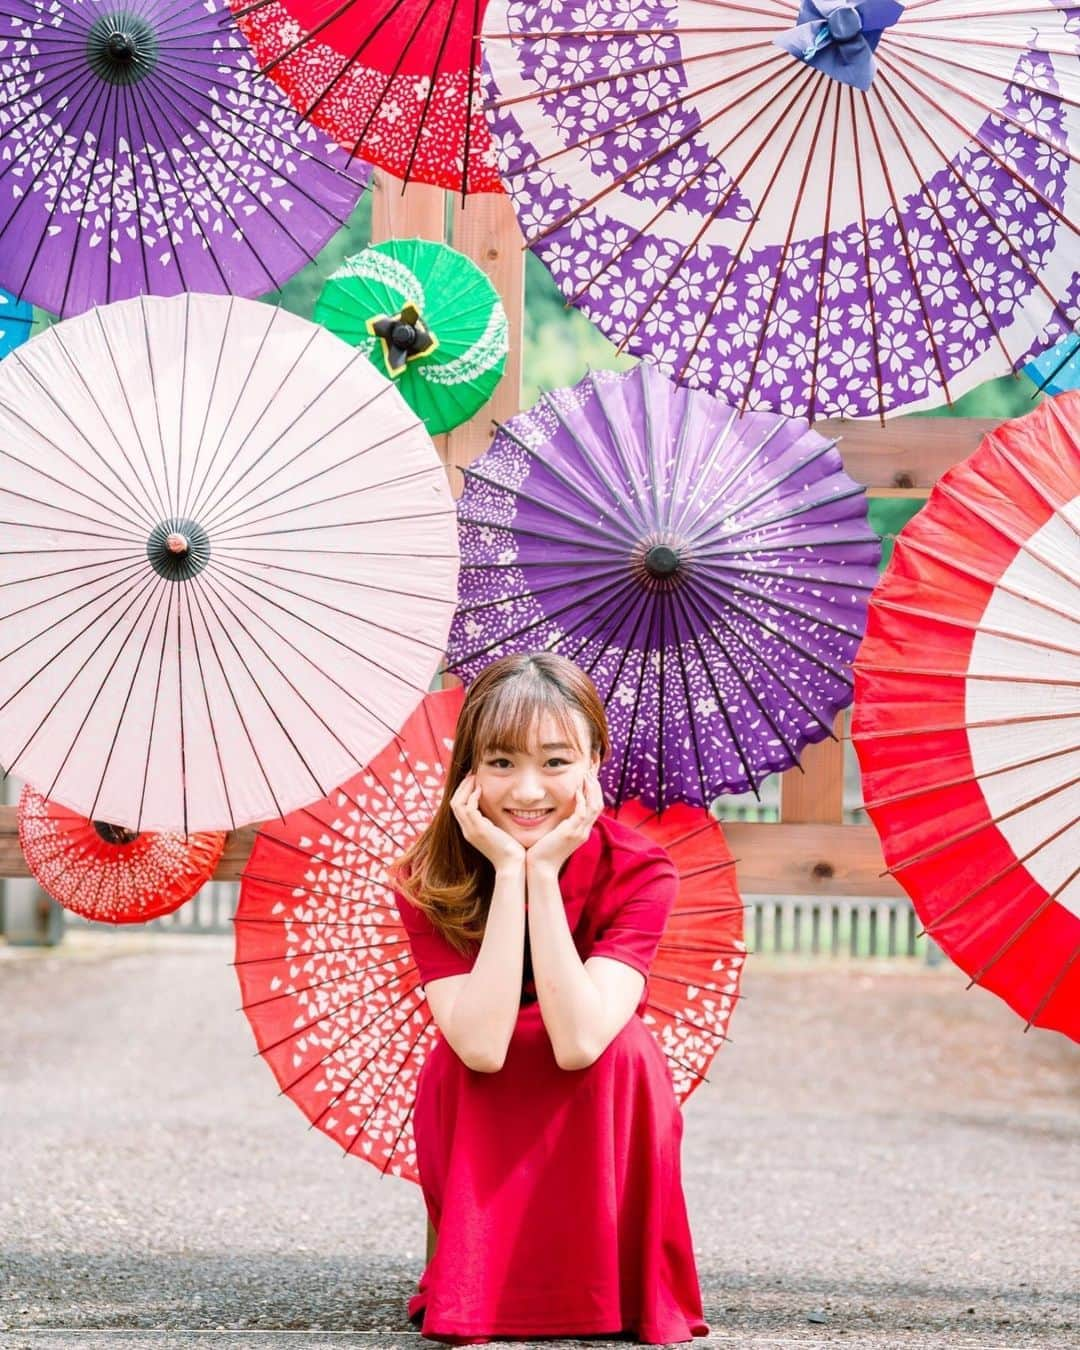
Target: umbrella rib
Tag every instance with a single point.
(975, 777)
(412, 516)
(77, 515)
(846, 494)
(806, 90)
(363, 656)
(1012, 940)
(699, 759)
(471, 109)
(514, 529)
(111, 99)
(405, 1059)
(162, 590)
(236, 558)
(608, 575)
(336, 1012)
(429, 92)
(212, 502)
(734, 472)
(941, 673)
(995, 583)
(154, 399)
(318, 860)
(1053, 987)
(141, 508)
(308, 953)
(990, 822)
(136, 570)
(689, 1021)
(220, 566)
(971, 626)
(778, 276)
(52, 708)
(223, 777)
(154, 709)
(596, 526)
(221, 527)
(294, 989)
(221, 524)
(140, 141)
(1060, 366)
(823, 269)
(90, 97)
(1024, 720)
(864, 237)
(235, 702)
(758, 623)
(117, 371)
(1024, 473)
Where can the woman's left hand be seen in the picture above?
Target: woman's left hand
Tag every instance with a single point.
(555, 847)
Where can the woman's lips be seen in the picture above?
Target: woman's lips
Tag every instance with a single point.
(527, 822)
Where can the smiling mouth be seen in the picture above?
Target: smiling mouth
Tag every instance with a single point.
(529, 817)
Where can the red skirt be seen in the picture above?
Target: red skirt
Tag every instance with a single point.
(556, 1196)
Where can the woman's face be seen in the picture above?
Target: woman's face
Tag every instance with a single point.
(528, 792)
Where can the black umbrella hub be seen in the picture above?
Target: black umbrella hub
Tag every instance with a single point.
(178, 549)
(122, 48)
(114, 834)
(661, 562)
(404, 337)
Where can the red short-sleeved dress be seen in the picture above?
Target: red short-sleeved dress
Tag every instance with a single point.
(557, 1195)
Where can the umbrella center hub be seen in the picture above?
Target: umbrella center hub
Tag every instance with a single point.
(404, 337)
(845, 24)
(114, 834)
(178, 549)
(661, 562)
(122, 48)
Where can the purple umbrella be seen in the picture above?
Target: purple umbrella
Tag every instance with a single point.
(706, 182)
(710, 570)
(142, 153)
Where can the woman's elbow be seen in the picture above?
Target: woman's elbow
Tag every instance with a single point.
(576, 1057)
(482, 1061)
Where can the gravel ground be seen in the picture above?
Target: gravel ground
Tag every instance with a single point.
(880, 1160)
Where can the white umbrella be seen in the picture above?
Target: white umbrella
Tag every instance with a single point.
(230, 562)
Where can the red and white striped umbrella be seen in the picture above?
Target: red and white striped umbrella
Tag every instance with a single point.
(967, 714)
(326, 975)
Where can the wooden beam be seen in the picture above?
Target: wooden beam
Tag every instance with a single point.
(418, 212)
(816, 795)
(771, 859)
(911, 452)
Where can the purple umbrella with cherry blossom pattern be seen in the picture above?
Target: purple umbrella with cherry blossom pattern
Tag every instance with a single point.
(141, 153)
(833, 207)
(709, 569)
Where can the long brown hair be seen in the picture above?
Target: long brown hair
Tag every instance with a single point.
(442, 874)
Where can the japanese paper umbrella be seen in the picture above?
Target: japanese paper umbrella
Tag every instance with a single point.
(709, 570)
(396, 82)
(1058, 369)
(967, 714)
(16, 320)
(110, 874)
(142, 153)
(840, 207)
(325, 971)
(229, 562)
(430, 320)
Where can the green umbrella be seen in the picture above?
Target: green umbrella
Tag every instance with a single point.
(429, 318)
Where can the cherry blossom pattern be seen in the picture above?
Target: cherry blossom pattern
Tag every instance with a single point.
(709, 570)
(762, 231)
(109, 874)
(142, 153)
(395, 82)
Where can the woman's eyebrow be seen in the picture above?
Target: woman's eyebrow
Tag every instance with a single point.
(556, 745)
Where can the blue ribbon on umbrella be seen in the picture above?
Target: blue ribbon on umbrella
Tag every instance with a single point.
(839, 36)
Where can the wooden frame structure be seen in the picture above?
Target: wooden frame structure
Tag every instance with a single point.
(809, 851)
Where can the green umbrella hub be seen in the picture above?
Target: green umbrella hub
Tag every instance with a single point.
(403, 337)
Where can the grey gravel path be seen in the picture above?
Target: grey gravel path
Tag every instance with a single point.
(881, 1160)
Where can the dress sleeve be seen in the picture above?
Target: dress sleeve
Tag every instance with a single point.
(435, 958)
(647, 887)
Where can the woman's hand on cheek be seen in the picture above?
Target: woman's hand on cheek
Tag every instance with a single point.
(554, 848)
(500, 848)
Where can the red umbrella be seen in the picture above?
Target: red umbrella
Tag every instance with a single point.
(326, 975)
(107, 873)
(967, 714)
(395, 82)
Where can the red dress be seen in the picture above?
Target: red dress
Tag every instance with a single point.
(557, 1195)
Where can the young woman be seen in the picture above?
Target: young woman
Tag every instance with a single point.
(548, 1135)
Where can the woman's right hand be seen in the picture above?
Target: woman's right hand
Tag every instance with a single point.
(501, 849)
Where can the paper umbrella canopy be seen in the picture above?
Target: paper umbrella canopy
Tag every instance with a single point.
(142, 153)
(109, 874)
(396, 82)
(429, 318)
(710, 571)
(328, 984)
(229, 562)
(967, 714)
(834, 208)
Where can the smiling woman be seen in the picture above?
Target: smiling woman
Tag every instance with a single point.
(533, 923)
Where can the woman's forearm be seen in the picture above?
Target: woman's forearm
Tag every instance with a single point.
(486, 1009)
(570, 1003)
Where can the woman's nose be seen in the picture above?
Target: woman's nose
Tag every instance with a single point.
(527, 789)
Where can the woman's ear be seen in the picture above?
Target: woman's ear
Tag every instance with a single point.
(594, 762)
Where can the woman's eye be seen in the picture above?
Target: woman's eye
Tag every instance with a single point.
(557, 763)
(498, 763)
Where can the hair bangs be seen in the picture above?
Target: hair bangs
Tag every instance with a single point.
(512, 712)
